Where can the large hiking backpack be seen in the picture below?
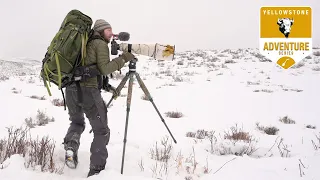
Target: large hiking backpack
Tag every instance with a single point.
(67, 51)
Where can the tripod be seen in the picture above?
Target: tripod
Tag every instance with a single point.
(132, 72)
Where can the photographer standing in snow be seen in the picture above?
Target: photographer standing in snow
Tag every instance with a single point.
(93, 105)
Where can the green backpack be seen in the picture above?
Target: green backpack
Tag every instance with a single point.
(67, 50)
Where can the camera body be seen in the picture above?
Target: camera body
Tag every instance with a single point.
(122, 36)
(114, 47)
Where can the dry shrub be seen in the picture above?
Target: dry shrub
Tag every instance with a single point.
(41, 155)
(200, 134)
(230, 61)
(58, 102)
(177, 78)
(311, 127)
(236, 134)
(253, 83)
(40, 120)
(263, 90)
(16, 91)
(316, 53)
(144, 97)
(180, 63)
(235, 141)
(38, 97)
(270, 130)
(296, 90)
(316, 143)
(3, 78)
(212, 59)
(316, 68)
(287, 120)
(174, 114)
(299, 65)
(31, 80)
(189, 165)
(283, 149)
(163, 152)
(261, 57)
(242, 142)
(224, 66)
(15, 143)
(38, 154)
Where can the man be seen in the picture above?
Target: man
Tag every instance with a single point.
(93, 105)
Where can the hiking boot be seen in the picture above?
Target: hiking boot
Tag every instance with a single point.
(95, 171)
(71, 159)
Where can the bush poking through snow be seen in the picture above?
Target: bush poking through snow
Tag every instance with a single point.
(316, 143)
(270, 130)
(299, 65)
(283, 149)
(3, 78)
(253, 83)
(241, 143)
(57, 102)
(15, 143)
(41, 120)
(144, 97)
(316, 53)
(163, 151)
(38, 154)
(41, 154)
(177, 78)
(174, 114)
(200, 134)
(287, 120)
(31, 80)
(230, 61)
(296, 90)
(37, 97)
(311, 127)
(261, 57)
(316, 68)
(236, 134)
(263, 90)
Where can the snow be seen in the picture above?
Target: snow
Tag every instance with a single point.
(211, 93)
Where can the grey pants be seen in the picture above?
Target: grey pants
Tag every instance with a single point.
(96, 111)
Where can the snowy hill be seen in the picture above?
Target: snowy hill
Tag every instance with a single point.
(18, 67)
(235, 116)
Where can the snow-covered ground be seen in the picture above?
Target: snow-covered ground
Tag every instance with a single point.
(220, 94)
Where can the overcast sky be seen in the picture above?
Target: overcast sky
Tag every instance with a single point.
(27, 26)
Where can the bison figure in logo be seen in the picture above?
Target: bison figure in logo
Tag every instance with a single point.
(285, 26)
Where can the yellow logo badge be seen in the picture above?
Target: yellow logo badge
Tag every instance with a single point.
(285, 34)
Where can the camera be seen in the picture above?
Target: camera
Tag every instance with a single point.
(122, 36)
(114, 47)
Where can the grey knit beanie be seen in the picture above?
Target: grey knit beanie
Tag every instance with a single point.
(101, 25)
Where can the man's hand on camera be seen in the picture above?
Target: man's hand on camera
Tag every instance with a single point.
(127, 56)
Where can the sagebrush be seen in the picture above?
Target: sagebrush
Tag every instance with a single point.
(37, 153)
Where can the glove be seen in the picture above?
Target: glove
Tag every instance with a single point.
(127, 56)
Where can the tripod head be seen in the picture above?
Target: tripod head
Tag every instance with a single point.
(132, 65)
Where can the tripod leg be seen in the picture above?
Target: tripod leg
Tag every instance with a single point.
(146, 92)
(120, 86)
(127, 118)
